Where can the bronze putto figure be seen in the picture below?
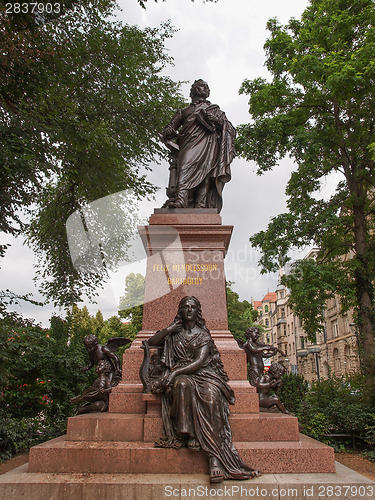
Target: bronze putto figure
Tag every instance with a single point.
(107, 352)
(107, 366)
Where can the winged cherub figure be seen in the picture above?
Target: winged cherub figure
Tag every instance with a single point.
(106, 352)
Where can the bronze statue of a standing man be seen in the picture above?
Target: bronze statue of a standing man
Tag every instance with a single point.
(204, 149)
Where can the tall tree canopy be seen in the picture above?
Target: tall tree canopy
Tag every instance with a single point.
(82, 99)
(319, 110)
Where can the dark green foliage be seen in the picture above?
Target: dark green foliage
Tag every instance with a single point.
(337, 406)
(311, 284)
(131, 304)
(342, 400)
(40, 371)
(293, 391)
(40, 375)
(133, 317)
(20, 433)
(314, 423)
(331, 406)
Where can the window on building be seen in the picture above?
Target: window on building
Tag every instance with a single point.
(335, 331)
(336, 360)
(284, 330)
(266, 309)
(302, 342)
(347, 357)
(346, 324)
(267, 322)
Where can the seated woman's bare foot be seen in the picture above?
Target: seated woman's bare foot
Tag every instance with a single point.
(216, 471)
(254, 473)
(246, 475)
(193, 444)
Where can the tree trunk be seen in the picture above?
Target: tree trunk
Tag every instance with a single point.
(364, 291)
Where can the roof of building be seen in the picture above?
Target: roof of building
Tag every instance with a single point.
(270, 297)
(257, 303)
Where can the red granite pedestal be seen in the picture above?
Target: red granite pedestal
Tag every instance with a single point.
(185, 254)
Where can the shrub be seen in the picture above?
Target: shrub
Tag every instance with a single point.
(293, 391)
(314, 424)
(342, 400)
(40, 373)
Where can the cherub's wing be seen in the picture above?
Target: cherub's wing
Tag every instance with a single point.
(115, 342)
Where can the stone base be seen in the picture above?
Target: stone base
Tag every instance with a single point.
(128, 398)
(121, 457)
(345, 484)
(120, 427)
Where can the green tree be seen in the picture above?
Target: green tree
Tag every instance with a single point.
(97, 323)
(131, 304)
(319, 109)
(241, 314)
(134, 291)
(82, 100)
(133, 317)
(112, 327)
(39, 375)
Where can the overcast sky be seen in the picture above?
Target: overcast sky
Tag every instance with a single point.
(223, 44)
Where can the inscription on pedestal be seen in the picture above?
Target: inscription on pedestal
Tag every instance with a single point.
(173, 273)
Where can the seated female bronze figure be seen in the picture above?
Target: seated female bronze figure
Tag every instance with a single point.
(195, 393)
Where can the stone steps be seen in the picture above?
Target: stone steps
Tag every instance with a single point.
(20, 484)
(135, 427)
(119, 457)
(127, 397)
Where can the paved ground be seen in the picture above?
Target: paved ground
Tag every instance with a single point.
(357, 462)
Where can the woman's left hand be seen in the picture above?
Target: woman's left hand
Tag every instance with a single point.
(168, 379)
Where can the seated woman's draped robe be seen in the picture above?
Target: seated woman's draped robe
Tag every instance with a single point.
(197, 404)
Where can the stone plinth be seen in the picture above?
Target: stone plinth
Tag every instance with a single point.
(185, 256)
(127, 397)
(133, 427)
(120, 457)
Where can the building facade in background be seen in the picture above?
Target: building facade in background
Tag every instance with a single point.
(333, 352)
